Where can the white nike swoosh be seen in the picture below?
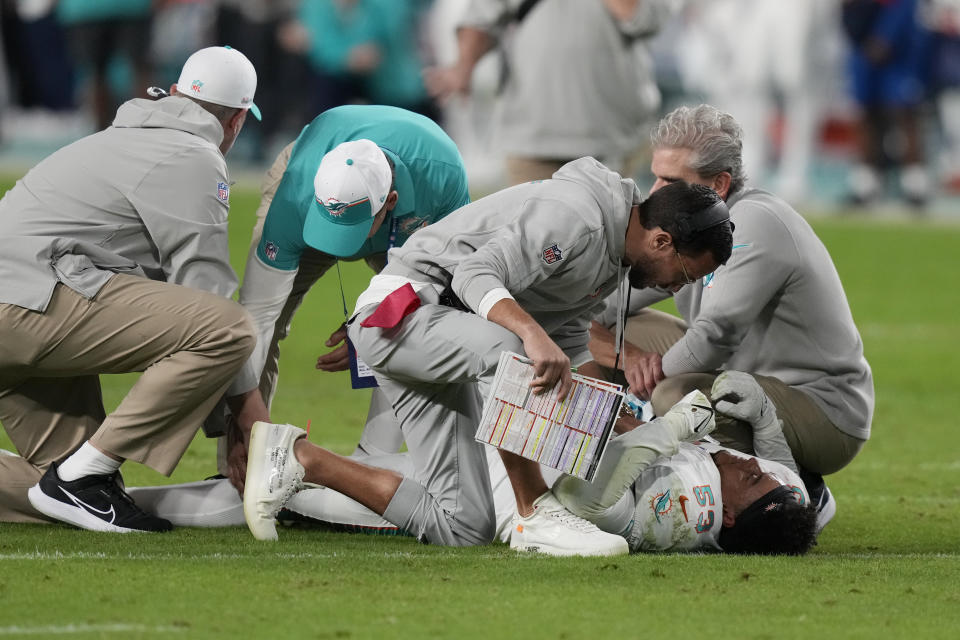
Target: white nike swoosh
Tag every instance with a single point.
(97, 512)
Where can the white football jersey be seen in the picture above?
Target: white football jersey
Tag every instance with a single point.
(678, 502)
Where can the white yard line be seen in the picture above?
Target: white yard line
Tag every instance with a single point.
(67, 629)
(82, 555)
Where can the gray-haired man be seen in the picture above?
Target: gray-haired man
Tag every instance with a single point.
(776, 309)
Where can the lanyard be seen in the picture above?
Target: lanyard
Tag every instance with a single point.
(361, 376)
(391, 242)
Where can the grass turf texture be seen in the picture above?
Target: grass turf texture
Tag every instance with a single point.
(886, 566)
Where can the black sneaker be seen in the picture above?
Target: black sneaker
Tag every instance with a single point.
(95, 502)
(820, 497)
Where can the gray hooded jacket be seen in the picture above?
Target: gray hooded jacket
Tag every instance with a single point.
(556, 245)
(776, 308)
(147, 196)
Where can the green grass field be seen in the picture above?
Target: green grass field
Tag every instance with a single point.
(887, 566)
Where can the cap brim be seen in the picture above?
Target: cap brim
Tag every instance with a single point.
(255, 110)
(340, 240)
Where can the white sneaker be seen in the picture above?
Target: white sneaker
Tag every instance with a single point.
(553, 530)
(273, 475)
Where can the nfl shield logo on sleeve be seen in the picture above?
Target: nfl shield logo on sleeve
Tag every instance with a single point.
(223, 192)
(271, 251)
(552, 254)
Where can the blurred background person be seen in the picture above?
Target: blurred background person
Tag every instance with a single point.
(178, 28)
(363, 51)
(889, 65)
(36, 73)
(103, 36)
(942, 17)
(260, 28)
(774, 58)
(576, 78)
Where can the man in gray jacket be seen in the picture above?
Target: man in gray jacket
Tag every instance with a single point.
(777, 310)
(114, 259)
(522, 270)
(577, 78)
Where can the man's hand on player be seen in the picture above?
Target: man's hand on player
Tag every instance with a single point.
(643, 370)
(236, 455)
(339, 358)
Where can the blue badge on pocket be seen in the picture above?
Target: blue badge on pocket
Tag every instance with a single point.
(361, 376)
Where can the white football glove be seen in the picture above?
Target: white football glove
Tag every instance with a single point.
(692, 418)
(737, 395)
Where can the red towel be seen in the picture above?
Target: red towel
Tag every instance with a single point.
(394, 308)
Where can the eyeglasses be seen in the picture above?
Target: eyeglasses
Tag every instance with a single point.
(686, 276)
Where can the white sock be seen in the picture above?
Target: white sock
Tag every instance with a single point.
(87, 461)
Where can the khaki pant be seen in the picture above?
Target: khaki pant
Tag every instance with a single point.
(189, 344)
(817, 445)
(522, 169)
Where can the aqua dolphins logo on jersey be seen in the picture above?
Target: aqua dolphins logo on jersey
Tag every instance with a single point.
(409, 224)
(797, 493)
(661, 504)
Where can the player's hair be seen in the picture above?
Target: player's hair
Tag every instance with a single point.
(714, 137)
(678, 207)
(789, 529)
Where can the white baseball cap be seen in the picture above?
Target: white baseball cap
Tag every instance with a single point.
(220, 75)
(351, 186)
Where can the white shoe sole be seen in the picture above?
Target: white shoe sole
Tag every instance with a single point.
(554, 551)
(71, 515)
(262, 527)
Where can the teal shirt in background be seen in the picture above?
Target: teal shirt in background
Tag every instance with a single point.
(430, 178)
(391, 25)
(76, 11)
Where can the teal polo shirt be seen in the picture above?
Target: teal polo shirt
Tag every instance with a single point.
(429, 175)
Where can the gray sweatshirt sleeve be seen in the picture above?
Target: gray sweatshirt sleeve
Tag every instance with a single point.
(764, 255)
(185, 212)
(511, 257)
(264, 293)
